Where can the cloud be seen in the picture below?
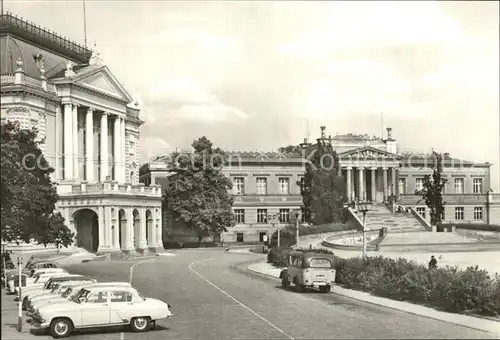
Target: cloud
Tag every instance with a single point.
(152, 147)
(183, 99)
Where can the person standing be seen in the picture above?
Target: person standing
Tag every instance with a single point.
(433, 263)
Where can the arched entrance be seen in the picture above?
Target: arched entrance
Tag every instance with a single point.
(122, 224)
(149, 226)
(87, 229)
(137, 228)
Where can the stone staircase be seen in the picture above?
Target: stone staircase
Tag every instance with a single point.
(380, 216)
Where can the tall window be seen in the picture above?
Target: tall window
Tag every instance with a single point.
(284, 215)
(239, 215)
(459, 213)
(261, 186)
(284, 185)
(302, 183)
(303, 214)
(261, 215)
(459, 185)
(238, 186)
(419, 184)
(478, 213)
(402, 186)
(477, 185)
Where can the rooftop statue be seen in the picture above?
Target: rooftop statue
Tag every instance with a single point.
(95, 58)
(69, 69)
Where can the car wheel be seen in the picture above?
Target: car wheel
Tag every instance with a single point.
(61, 328)
(324, 289)
(284, 282)
(25, 303)
(300, 288)
(139, 324)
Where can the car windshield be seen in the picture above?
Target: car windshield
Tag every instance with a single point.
(82, 295)
(55, 288)
(320, 263)
(141, 296)
(67, 292)
(37, 277)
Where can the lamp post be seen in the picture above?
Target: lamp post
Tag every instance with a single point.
(364, 207)
(20, 302)
(272, 220)
(297, 221)
(4, 266)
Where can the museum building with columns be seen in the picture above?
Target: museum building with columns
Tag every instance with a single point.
(90, 128)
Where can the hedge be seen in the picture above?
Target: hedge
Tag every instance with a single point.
(288, 235)
(450, 289)
(322, 228)
(470, 226)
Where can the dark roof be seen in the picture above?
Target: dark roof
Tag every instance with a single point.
(44, 38)
(351, 138)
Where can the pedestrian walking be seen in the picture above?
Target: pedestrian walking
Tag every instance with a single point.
(433, 263)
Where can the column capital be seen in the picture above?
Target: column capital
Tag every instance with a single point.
(66, 102)
(373, 168)
(90, 109)
(361, 168)
(104, 113)
(349, 168)
(385, 168)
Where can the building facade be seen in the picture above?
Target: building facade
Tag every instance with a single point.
(373, 168)
(90, 127)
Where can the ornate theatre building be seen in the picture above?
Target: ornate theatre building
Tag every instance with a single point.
(90, 125)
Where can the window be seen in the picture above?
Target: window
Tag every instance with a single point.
(459, 185)
(284, 185)
(302, 183)
(477, 185)
(261, 215)
(239, 237)
(320, 263)
(238, 186)
(419, 184)
(402, 186)
(98, 297)
(284, 215)
(239, 216)
(421, 211)
(459, 213)
(261, 186)
(478, 213)
(295, 261)
(303, 214)
(118, 296)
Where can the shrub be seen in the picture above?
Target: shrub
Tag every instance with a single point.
(451, 289)
(287, 238)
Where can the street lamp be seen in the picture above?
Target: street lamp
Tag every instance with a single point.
(364, 206)
(272, 219)
(297, 221)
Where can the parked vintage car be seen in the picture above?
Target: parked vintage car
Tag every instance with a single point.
(36, 278)
(41, 282)
(34, 272)
(70, 292)
(50, 284)
(102, 307)
(307, 269)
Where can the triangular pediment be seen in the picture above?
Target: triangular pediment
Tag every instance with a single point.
(102, 80)
(368, 152)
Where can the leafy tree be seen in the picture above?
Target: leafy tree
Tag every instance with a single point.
(322, 188)
(432, 190)
(58, 233)
(287, 238)
(198, 193)
(28, 195)
(291, 150)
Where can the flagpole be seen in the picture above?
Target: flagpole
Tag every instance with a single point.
(84, 22)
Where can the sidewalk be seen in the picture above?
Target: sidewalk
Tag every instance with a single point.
(490, 326)
(10, 321)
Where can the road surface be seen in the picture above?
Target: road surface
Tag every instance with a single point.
(213, 296)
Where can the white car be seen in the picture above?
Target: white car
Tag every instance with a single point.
(102, 306)
(40, 283)
(70, 292)
(60, 295)
(54, 281)
(39, 278)
(46, 271)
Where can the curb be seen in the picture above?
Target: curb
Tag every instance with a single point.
(445, 316)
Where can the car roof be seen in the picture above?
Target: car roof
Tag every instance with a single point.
(44, 262)
(119, 285)
(68, 277)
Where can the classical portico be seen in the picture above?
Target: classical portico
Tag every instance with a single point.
(370, 174)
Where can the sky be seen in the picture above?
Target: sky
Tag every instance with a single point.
(252, 75)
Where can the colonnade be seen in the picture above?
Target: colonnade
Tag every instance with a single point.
(75, 136)
(382, 179)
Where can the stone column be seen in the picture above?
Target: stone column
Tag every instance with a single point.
(143, 225)
(374, 186)
(385, 183)
(68, 142)
(76, 159)
(104, 146)
(361, 186)
(102, 240)
(123, 158)
(159, 240)
(107, 230)
(117, 240)
(349, 184)
(89, 145)
(150, 224)
(393, 180)
(117, 149)
(58, 167)
(128, 231)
